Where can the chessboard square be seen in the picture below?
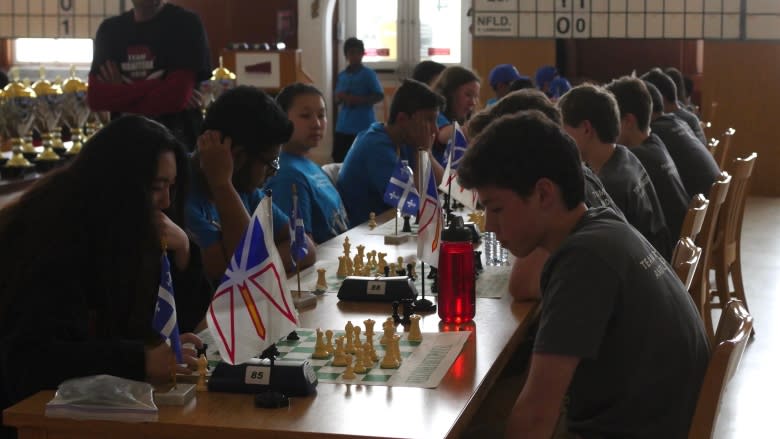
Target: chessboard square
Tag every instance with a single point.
(284, 342)
(406, 354)
(377, 378)
(328, 375)
(409, 343)
(303, 349)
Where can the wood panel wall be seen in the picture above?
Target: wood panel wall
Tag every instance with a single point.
(526, 55)
(744, 79)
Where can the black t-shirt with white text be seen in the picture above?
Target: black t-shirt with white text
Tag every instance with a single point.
(627, 182)
(693, 123)
(595, 194)
(698, 169)
(666, 181)
(611, 300)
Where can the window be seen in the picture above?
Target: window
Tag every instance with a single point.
(399, 34)
(52, 51)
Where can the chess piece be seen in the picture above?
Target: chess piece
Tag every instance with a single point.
(369, 324)
(407, 225)
(357, 265)
(293, 336)
(320, 350)
(478, 218)
(371, 352)
(433, 273)
(341, 273)
(349, 373)
(371, 220)
(347, 257)
(396, 346)
(391, 269)
(414, 331)
(372, 259)
(478, 260)
(380, 266)
(329, 343)
(339, 356)
(408, 306)
(388, 327)
(349, 329)
(410, 271)
(322, 285)
(387, 271)
(360, 366)
(360, 252)
(396, 316)
(388, 361)
(202, 365)
(366, 271)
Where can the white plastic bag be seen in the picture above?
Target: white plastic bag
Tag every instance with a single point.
(103, 397)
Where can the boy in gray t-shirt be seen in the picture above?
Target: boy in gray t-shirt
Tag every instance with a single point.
(618, 331)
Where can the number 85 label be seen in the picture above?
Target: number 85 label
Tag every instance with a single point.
(257, 375)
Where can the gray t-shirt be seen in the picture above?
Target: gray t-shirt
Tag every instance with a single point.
(630, 187)
(595, 194)
(610, 299)
(693, 123)
(666, 181)
(698, 169)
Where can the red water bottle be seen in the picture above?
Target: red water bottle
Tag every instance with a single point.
(457, 289)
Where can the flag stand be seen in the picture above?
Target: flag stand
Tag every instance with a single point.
(422, 304)
(301, 299)
(397, 238)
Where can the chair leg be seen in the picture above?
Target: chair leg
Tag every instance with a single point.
(722, 282)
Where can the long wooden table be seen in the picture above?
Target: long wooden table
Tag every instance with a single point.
(337, 411)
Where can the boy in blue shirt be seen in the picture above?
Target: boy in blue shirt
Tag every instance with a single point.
(357, 90)
(236, 154)
(376, 151)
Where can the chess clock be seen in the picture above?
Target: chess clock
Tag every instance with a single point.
(289, 377)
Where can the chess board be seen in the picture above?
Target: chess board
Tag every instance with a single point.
(492, 282)
(424, 363)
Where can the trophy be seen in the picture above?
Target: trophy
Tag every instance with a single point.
(75, 109)
(28, 149)
(221, 80)
(48, 111)
(17, 112)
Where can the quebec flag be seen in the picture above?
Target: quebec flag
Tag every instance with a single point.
(164, 320)
(298, 248)
(431, 215)
(252, 307)
(449, 182)
(456, 147)
(400, 191)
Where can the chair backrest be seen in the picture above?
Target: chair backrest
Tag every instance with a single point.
(694, 217)
(332, 171)
(684, 260)
(734, 330)
(700, 286)
(729, 230)
(712, 146)
(723, 148)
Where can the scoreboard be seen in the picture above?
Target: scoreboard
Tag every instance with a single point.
(56, 18)
(688, 19)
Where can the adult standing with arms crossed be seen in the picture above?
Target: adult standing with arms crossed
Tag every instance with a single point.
(149, 61)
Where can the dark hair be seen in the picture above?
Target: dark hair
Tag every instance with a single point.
(426, 71)
(594, 104)
(353, 43)
(477, 123)
(655, 97)
(287, 96)
(94, 220)
(663, 83)
(412, 96)
(250, 118)
(449, 81)
(517, 150)
(632, 98)
(677, 77)
(526, 99)
(521, 84)
(688, 82)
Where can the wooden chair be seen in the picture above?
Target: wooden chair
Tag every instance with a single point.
(700, 289)
(733, 333)
(712, 146)
(685, 259)
(332, 171)
(726, 258)
(694, 217)
(723, 149)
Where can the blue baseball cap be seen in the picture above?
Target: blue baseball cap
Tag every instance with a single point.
(503, 73)
(545, 75)
(559, 86)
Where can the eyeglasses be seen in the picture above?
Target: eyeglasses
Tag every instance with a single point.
(272, 167)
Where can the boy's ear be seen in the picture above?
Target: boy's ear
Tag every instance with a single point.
(239, 156)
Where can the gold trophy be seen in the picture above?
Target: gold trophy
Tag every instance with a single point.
(27, 146)
(221, 80)
(17, 112)
(75, 109)
(48, 111)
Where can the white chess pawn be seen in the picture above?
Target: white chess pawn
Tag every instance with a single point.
(360, 366)
(356, 340)
(390, 361)
(349, 373)
(320, 350)
(388, 327)
(369, 324)
(414, 332)
(339, 356)
(395, 345)
(349, 330)
(341, 273)
(371, 220)
(322, 283)
(370, 351)
(329, 344)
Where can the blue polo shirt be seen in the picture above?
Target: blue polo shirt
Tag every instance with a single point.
(319, 203)
(366, 171)
(362, 82)
(438, 153)
(203, 218)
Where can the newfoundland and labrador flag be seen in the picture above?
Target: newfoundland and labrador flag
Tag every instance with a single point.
(456, 147)
(449, 183)
(431, 221)
(164, 320)
(400, 191)
(252, 307)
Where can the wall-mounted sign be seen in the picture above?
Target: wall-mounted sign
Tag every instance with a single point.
(55, 18)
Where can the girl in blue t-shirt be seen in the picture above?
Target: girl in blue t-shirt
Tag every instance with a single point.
(323, 213)
(460, 88)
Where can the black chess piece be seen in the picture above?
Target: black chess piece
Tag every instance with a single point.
(400, 271)
(423, 305)
(396, 317)
(407, 225)
(270, 353)
(478, 260)
(433, 273)
(201, 351)
(435, 285)
(410, 272)
(387, 271)
(408, 304)
(293, 336)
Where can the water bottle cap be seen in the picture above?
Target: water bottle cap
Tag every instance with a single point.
(456, 231)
